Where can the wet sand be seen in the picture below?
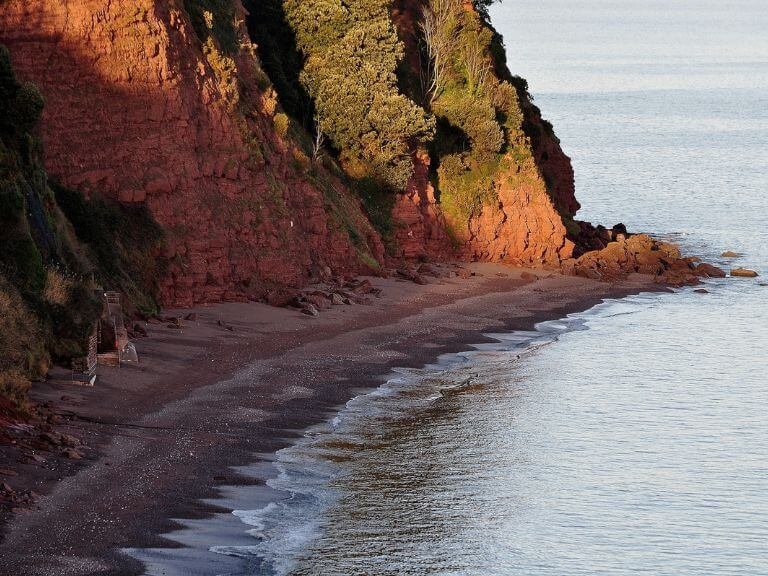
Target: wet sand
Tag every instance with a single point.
(163, 436)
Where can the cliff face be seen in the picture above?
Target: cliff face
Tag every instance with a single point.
(166, 104)
(143, 108)
(180, 173)
(503, 189)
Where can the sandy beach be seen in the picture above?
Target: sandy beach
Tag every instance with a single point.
(237, 381)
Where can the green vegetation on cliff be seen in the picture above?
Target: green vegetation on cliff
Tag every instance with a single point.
(442, 84)
(214, 18)
(471, 97)
(352, 53)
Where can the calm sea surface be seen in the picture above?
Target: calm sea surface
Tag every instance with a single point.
(631, 439)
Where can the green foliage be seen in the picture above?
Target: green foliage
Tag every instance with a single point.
(21, 339)
(28, 106)
(123, 243)
(342, 62)
(466, 184)
(486, 126)
(24, 235)
(483, 6)
(216, 19)
(21, 104)
(476, 117)
(352, 54)
(22, 261)
(14, 386)
(476, 113)
(378, 205)
(282, 124)
(368, 260)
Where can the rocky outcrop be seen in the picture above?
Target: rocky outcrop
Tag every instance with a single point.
(623, 254)
(523, 226)
(141, 109)
(421, 228)
(743, 273)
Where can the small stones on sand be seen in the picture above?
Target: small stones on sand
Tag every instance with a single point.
(72, 454)
(51, 438)
(427, 269)
(337, 299)
(744, 273)
(310, 310)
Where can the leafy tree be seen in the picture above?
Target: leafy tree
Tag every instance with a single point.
(352, 53)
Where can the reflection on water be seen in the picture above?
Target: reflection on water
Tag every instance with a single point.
(614, 450)
(629, 439)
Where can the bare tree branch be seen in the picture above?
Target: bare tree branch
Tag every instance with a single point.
(318, 141)
(478, 65)
(436, 38)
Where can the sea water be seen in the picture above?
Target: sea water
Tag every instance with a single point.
(629, 439)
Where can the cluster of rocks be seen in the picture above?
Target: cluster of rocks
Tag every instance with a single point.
(739, 272)
(17, 500)
(418, 273)
(338, 293)
(612, 254)
(355, 290)
(616, 253)
(64, 444)
(33, 441)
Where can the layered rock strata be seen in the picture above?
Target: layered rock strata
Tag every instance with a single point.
(142, 110)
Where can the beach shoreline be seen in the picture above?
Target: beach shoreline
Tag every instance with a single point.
(238, 381)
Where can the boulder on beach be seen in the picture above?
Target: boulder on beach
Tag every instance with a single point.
(744, 273)
(730, 254)
(709, 271)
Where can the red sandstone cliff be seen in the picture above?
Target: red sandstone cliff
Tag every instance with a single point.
(139, 110)
(526, 223)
